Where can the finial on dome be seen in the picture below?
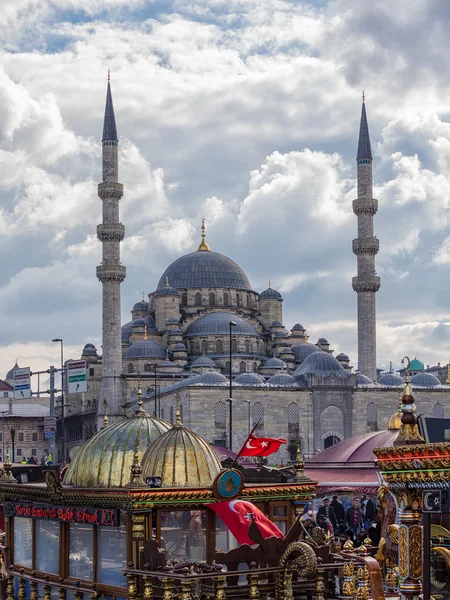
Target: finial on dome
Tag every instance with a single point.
(409, 429)
(105, 413)
(269, 284)
(363, 96)
(448, 374)
(136, 479)
(203, 244)
(145, 332)
(109, 75)
(143, 297)
(7, 468)
(178, 412)
(140, 409)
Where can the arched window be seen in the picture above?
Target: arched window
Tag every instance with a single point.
(212, 299)
(258, 416)
(293, 414)
(184, 299)
(438, 410)
(94, 404)
(204, 346)
(147, 367)
(197, 347)
(219, 347)
(238, 300)
(220, 415)
(191, 346)
(225, 299)
(250, 300)
(372, 416)
(198, 299)
(247, 346)
(255, 367)
(131, 368)
(242, 367)
(331, 440)
(234, 345)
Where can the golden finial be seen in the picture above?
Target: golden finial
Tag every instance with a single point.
(109, 75)
(140, 403)
(299, 464)
(269, 284)
(448, 374)
(145, 332)
(7, 468)
(203, 244)
(395, 421)
(409, 429)
(407, 389)
(178, 412)
(363, 96)
(367, 541)
(105, 413)
(348, 546)
(136, 469)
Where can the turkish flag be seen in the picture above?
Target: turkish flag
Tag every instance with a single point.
(238, 515)
(255, 446)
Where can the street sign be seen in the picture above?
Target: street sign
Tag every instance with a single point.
(21, 383)
(432, 501)
(76, 377)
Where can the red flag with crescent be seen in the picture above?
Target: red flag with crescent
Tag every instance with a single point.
(237, 516)
(260, 446)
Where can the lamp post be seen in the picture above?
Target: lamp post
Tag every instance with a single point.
(230, 399)
(63, 427)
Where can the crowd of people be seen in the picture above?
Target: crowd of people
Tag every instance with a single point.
(355, 520)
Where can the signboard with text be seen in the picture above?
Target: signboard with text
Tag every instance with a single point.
(76, 377)
(65, 514)
(21, 383)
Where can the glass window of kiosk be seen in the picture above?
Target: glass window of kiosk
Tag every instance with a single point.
(47, 535)
(111, 554)
(437, 565)
(183, 534)
(23, 537)
(81, 551)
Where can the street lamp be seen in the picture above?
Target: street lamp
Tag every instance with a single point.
(63, 427)
(230, 399)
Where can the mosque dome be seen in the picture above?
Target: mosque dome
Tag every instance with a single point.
(142, 305)
(89, 350)
(204, 362)
(204, 269)
(167, 290)
(391, 379)
(10, 373)
(321, 364)
(127, 329)
(104, 461)
(301, 351)
(363, 379)
(274, 363)
(298, 327)
(172, 321)
(218, 323)
(425, 379)
(276, 324)
(270, 294)
(416, 365)
(323, 342)
(182, 459)
(179, 347)
(282, 379)
(212, 378)
(342, 357)
(249, 379)
(145, 349)
(175, 331)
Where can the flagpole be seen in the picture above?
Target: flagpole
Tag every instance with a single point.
(248, 437)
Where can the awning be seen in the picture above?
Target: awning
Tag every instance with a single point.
(360, 481)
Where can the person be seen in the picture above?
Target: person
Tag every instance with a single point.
(339, 510)
(24, 461)
(44, 459)
(49, 461)
(369, 514)
(325, 524)
(353, 517)
(327, 511)
(359, 539)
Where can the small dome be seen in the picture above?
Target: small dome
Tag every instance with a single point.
(425, 379)
(286, 350)
(89, 350)
(142, 305)
(167, 291)
(391, 379)
(270, 294)
(175, 331)
(172, 321)
(203, 361)
(182, 459)
(343, 357)
(298, 327)
(274, 363)
(395, 422)
(104, 461)
(276, 324)
(249, 379)
(321, 364)
(218, 323)
(179, 347)
(145, 349)
(282, 379)
(416, 365)
(212, 378)
(128, 327)
(363, 379)
(323, 342)
(281, 334)
(10, 373)
(301, 351)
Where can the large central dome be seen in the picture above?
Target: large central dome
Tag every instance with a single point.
(204, 269)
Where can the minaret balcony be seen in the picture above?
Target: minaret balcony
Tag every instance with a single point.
(366, 283)
(110, 189)
(366, 245)
(365, 206)
(111, 232)
(111, 273)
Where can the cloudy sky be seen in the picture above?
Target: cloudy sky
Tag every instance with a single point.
(246, 112)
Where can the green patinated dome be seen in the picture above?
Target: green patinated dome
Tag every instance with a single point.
(104, 461)
(416, 365)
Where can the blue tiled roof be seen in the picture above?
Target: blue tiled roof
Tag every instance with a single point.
(145, 349)
(425, 379)
(10, 373)
(212, 379)
(167, 290)
(109, 123)
(343, 357)
(276, 324)
(204, 269)
(180, 347)
(363, 379)
(270, 294)
(127, 328)
(142, 305)
(321, 364)
(301, 351)
(218, 323)
(203, 361)
(391, 379)
(274, 363)
(364, 149)
(298, 327)
(249, 379)
(282, 379)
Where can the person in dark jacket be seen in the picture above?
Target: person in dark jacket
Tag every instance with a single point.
(369, 513)
(353, 517)
(339, 510)
(327, 511)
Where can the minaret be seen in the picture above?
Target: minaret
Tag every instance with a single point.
(111, 272)
(366, 246)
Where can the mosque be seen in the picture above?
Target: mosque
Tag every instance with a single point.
(205, 326)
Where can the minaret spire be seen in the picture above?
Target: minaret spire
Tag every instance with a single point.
(111, 272)
(366, 247)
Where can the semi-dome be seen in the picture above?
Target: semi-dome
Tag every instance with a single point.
(425, 379)
(182, 459)
(301, 351)
(212, 378)
(145, 349)
(270, 294)
(249, 379)
(204, 362)
(104, 461)
(362, 379)
(127, 329)
(391, 379)
(204, 269)
(274, 363)
(282, 379)
(321, 364)
(416, 365)
(218, 323)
